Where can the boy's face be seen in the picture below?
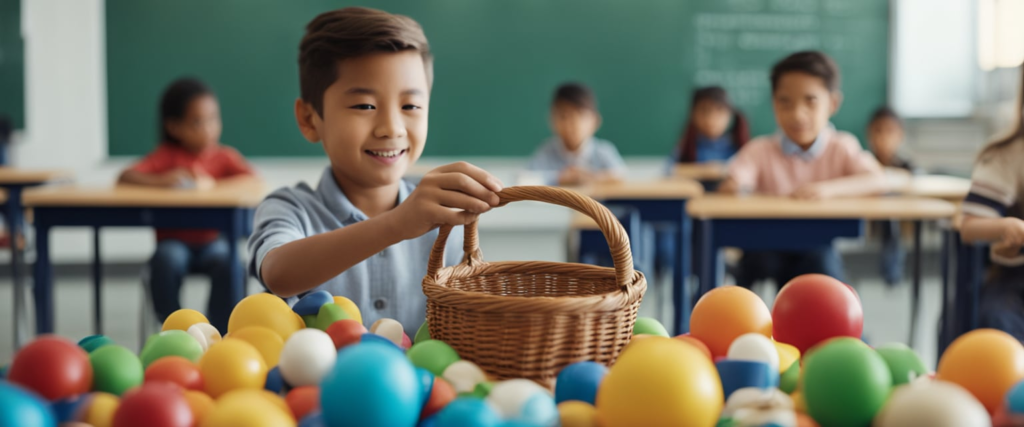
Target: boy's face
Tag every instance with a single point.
(803, 106)
(573, 124)
(374, 123)
(201, 127)
(711, 118)
(885, 136)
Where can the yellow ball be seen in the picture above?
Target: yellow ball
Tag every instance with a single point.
(201, 404)
(574, 413)
(266, 341)
(232, 364)
(101, 410)
(787, 355)
(182, 319)
(798, 402)
(249, 408)
(264, 310)
(660, 381)
(350, 307)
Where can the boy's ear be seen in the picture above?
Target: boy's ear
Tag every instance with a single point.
(597, 121)
(308, 120)
(837, 101)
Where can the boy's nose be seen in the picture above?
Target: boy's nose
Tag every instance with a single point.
(390, 126)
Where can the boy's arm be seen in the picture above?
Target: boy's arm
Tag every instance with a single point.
(864, 184)
(450, 195)
(986, 229)
(743, 170)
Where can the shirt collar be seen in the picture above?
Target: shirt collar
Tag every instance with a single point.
(584, 152)
(339, 204)
(791, 148)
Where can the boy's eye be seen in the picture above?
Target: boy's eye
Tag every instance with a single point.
(363, 107)
(410, 107)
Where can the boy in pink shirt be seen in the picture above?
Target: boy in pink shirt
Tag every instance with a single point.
(807, 159)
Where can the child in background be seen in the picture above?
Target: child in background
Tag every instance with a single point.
(189, 156)
(708, 136)
(994, 212)
(363, 232)
(809, 159)
(574, 156)
(885, 135)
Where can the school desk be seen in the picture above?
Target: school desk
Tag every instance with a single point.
(660, 202)
(775, 223)
(14, 181)
(227, 208)
(708, 174)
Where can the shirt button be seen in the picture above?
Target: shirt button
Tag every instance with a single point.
(379, 304)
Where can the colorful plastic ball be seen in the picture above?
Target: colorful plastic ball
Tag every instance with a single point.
(177, 370)
(845, 383)
(687, 338)
(308, 321)
(374, 338)
(580, 381)
(422, 334)
(266, 341)
(20, 407)
(92, 342)
(311, 303)
(574, 413)
(467, 411)
(986, 362)
(660, 381)
(813, 308)
(346, 332)
(71, 408)
(464, 376)
(790, 378)
(371, 385)
(115, 369)
(232, 364)
(756, 348)
(275, 382)
(390, 329)
(170, 343)
(350, 307)
(154, 405)
(315, 419)
(433, 355)
(329, 313)
(441, 394)
(303, 400)
(406, 342)
(725, 313)
(480, 391)
(307, 357)
(52, 367)
(933, 404)
(200, 403)
(182, 319)
(787, 355)
(264, 310)
(100, 410)
(649, 326)
(903, 363)
(205, 334)
(524, 400)
(249, 408)
(1015, 399)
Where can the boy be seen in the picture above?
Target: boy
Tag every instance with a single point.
(365, 78)
(574, 156)
(808, 159)
(885, 135)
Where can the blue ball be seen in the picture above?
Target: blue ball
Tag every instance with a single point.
(69, 409)
(275, 382)
(371, 385)
(314, 419)
(1015, 399)
(579, 381)
(427, 381)
(377, 339)
(92, 342)
(311, 303)
(428, 422)
(468, 411)
(540, 409)
(520, 423)
(22, 408)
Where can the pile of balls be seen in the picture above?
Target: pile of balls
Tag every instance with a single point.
(800, 364)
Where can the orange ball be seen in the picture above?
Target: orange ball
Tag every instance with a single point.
(804, 420)
(986, 362)
(175, 369)
(441, 394)
(726, 313)
(201, 404)
(686, 338)
(303, 400)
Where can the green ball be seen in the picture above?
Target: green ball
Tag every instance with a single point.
(170, 343)
(115, 369)
(481, 391)
(845, 383)
(93, 342)
(328, 314)
(309, 320)
(649, 326)
(902, 362)
(789, 379)
(432, 355)
(422, 334)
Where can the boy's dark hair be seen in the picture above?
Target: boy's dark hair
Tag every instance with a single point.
(577, 95)
(885, 112)
(175, 101)
(353, 32)
(687, 149)
(810, 62)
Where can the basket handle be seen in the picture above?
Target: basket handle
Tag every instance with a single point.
(613, 232)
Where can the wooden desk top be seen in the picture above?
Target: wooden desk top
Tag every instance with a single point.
(950, 188)
(9, 175)
(755, 207)
(229, 195)
(701, 171)
(662, 189)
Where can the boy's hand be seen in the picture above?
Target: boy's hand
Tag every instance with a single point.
(1013, 231)
(572, 175)
(1006, 249)
(453, 194)
(814, 191)
(202, 179)
(179, 178)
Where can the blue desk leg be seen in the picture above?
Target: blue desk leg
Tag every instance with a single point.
(680, 292)
(234, 234)
(915, 290)
(708, 257)
(13, 210)
(946, 326)
(43, 290)
(97, 282)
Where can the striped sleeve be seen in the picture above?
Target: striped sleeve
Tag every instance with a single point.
(994, 185)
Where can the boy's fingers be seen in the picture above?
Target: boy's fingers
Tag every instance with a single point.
(457, 200)
(474, 172)
(454, 217)
(455, 181)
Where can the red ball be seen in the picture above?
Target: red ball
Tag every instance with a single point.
(346, 331)
(159, 404)
(177, 370)
(813, 308)
(303, 400)
(440, 396)
(53, 367)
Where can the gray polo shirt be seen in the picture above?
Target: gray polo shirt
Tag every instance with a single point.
(386, 285)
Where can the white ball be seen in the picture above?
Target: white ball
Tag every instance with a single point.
(464, 375)
(754, 347)
(390, 329)
(509, 396)
(307, 356)
(933, 404)
(205, 334)
(752, 406)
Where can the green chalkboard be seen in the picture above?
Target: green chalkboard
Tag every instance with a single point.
(497, 62)
(12, 63)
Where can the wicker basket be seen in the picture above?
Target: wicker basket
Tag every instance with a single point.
(531, 319)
